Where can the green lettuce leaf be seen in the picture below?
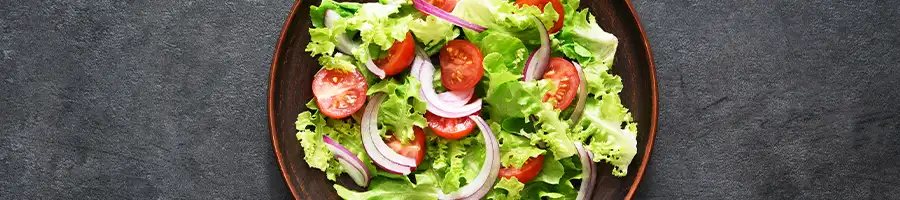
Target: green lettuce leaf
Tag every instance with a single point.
(518, 99)
(433, 32)
(339, 62)
(507, 189)
(514, 149)
(515, 98)
(322, 41)
(553, 131)
(600, 82)
(402, 107)
(311, 126)
(601, 125)
(512, 53)
(373, 22)
(502, 15)
(498, 72)
(449, 164)
(382, 188)
(552, 171)
(345, 9)
(582, 39)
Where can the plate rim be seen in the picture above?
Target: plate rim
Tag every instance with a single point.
(654, 99)
(270, 100)
(654, 103)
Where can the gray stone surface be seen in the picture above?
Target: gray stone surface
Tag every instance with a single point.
(775, 99)
(166, 99)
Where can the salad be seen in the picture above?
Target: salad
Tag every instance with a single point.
(464, 99)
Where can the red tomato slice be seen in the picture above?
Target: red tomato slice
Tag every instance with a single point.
(461, 65)
(565, 77)
(414, 149)
(339, 94)
(528, 172)
(450, 128)
(399, 56)
(446, 5)
(557, 6)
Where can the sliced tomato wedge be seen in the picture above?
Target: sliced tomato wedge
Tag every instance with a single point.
(413, 149)
(399, 56)
(528, 172)
(461, 65)
(565, 77)
(339, 93)
(446, 5)
(450, 128)
(557, 6)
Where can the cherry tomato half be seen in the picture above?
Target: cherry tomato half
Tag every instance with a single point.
(339, 93)
(414, 149)
(450, 128)
(528, 172)
(565, 77)
(446, 5)
(461, 65)
(557, 6)
(399, 56)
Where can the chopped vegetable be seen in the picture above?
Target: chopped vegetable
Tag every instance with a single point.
(532, 75)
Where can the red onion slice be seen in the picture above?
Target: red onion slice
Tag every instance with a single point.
(345, 45)
(582, 94)
(370, 127)
(588, 178)
(371, 137)
(537, 62)
(435, 104)
(427, 8)
(352, 164)
(485, 179)
(421, 57)
(457, 97)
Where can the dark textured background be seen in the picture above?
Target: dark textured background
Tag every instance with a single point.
(166, 99)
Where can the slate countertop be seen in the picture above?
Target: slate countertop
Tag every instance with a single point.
(793, 99)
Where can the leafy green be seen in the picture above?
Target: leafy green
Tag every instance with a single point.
(344, 9)
(339, 62)
(433, 32)
(515, 98)
(524, 125)
(507, 189)
(402, 107)
(322, 41)
(541, 188)
(518, 99)
(511, 52)
(451, 163)
(552, 171)
(514, 149)
(377, 30)
(382, 188)
(310, 129)
(553, 131)
(498, 72)
(582, 39)
(505, 16)
(373, 23)
(601, 123)
(600, 82)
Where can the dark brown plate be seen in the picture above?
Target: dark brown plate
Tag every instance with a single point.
(293, 69)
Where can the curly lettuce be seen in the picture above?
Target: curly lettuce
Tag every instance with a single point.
(505, 16)
(601, 126)
(402, 108)
(312, 125)
(433, 32)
